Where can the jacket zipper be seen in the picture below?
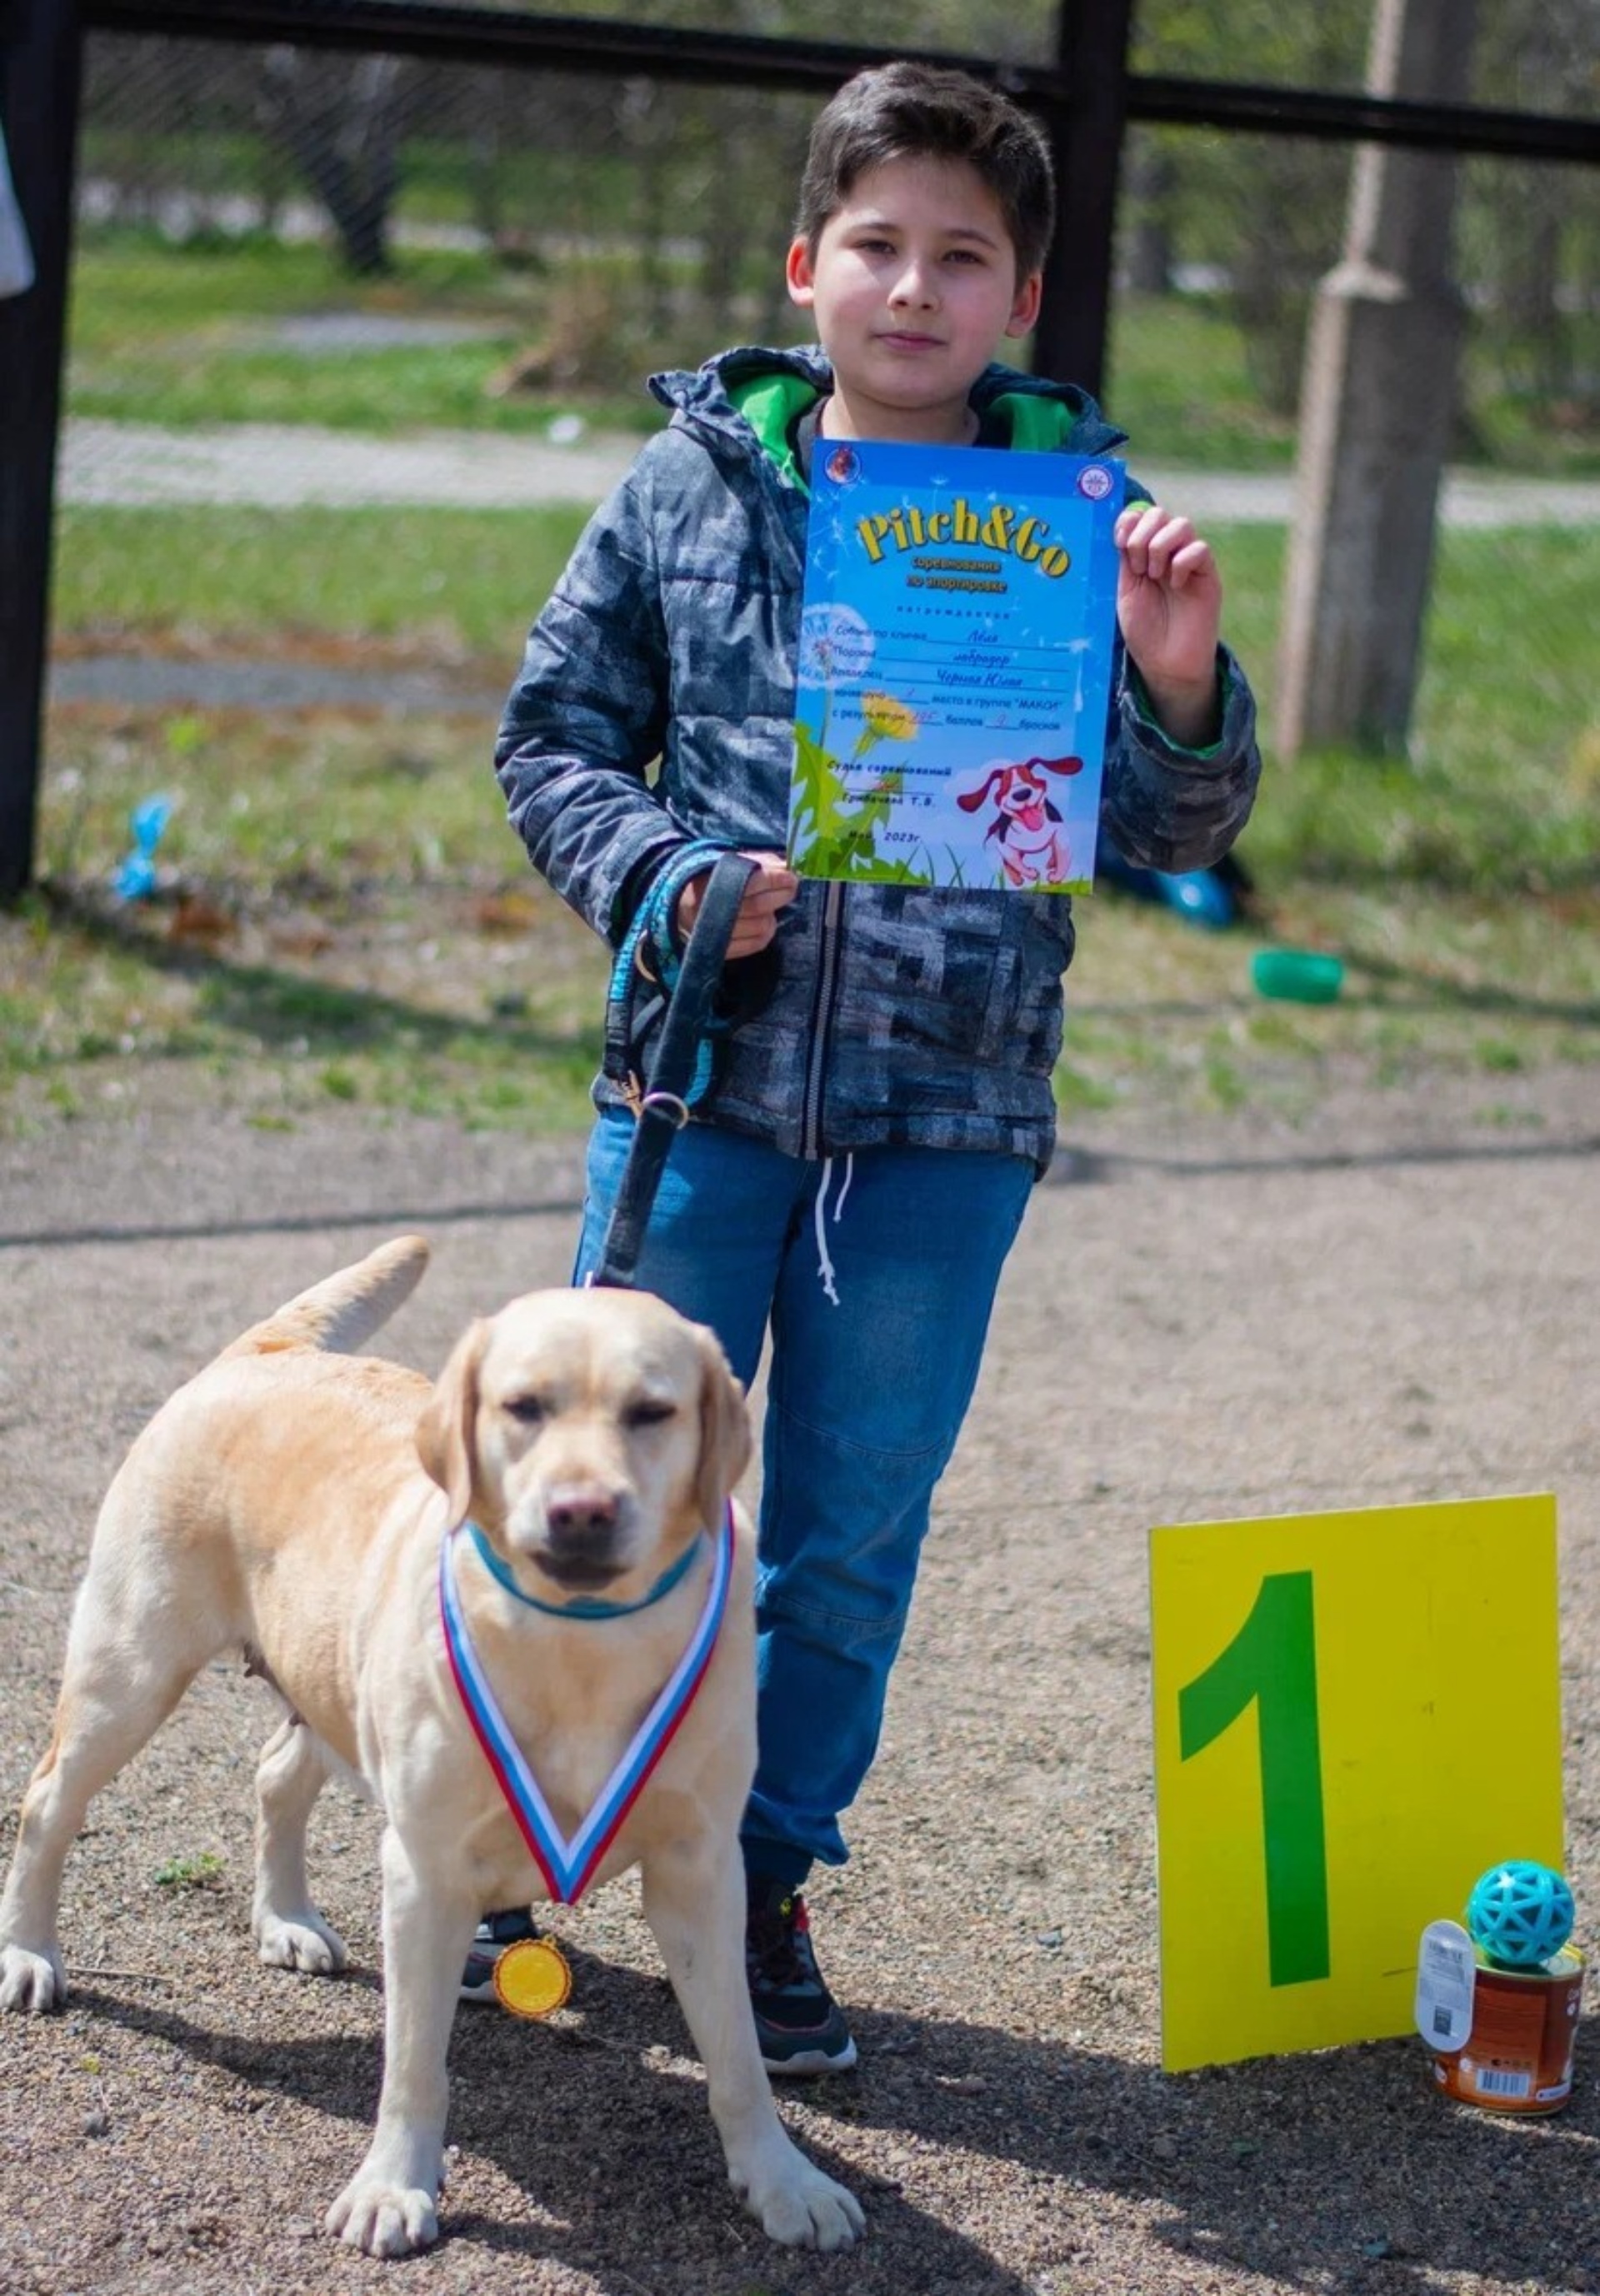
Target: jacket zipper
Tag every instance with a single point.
(822, 1017)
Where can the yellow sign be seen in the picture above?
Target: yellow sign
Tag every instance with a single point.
(1355, 1715)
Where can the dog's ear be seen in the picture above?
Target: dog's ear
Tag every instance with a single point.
(969, 800)
(724, 1439)
(444, 1431)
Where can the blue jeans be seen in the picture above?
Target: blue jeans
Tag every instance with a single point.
(877, 1272)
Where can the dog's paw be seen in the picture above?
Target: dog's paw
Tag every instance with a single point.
(801, 2208)
(383, 2220)
(31, 1982)
(304, 1942)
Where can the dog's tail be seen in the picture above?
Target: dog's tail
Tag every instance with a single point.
(341, 1313)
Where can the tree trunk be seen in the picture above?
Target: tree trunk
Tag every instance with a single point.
(1377, 413)
(343, 130)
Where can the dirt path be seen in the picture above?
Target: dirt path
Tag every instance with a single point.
(282, 465)
(1396, 1305)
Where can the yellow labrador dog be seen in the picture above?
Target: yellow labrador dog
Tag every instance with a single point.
(294, 1499)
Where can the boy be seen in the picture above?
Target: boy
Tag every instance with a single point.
(859, 1167)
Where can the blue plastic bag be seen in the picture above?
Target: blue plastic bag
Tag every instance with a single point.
(133, 878)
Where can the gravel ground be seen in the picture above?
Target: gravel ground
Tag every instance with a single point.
(1393, 1304)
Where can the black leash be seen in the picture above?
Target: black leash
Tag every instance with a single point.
(664, 1109)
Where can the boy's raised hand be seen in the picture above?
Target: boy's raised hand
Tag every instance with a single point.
(772, 887)
(1170, 609)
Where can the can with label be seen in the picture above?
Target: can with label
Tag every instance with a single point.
(1517, 2056)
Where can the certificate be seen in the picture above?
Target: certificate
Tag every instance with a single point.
(955, 665)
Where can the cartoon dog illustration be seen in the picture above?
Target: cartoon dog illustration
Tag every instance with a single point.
(1033, 850)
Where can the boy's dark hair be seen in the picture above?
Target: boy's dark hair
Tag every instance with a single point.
(927, 111)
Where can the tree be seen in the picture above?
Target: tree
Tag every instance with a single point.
(342, 122)
(1262, 211)
(1531, 238)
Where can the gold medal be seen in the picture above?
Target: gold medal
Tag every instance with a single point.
(532, 1978)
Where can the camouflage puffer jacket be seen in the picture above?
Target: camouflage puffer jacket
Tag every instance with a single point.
(655, 705)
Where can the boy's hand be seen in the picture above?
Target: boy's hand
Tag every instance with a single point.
(1169, 608)
(772, 887)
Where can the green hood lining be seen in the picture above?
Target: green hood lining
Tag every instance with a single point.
(769, 403)
(1039, 424)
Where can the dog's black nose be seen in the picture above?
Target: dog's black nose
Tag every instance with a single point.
(585, 1523)
(578, 1519)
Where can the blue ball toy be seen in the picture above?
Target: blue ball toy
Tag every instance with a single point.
(1520, 1914)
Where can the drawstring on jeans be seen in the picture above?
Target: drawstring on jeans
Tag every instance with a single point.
(824, 1265)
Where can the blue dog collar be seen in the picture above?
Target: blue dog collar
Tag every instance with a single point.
(582, 1606)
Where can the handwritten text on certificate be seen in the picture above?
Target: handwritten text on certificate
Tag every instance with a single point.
(955, 670)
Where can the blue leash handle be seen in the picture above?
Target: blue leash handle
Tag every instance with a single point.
(680, 1069)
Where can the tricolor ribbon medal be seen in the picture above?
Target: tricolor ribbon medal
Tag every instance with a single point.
(569, 1867)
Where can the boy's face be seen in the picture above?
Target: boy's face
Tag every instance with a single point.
(914, 285)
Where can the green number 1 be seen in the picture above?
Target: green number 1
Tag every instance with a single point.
(1272, 1659)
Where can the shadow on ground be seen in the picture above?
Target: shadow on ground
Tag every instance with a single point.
(1340, 2169)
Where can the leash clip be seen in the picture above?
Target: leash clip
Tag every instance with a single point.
(668, 1104)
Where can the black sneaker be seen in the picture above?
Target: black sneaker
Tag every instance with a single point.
(798, 2024)
(495, 1933)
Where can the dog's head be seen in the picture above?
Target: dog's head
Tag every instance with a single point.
(1018, 790)
(590, 1434)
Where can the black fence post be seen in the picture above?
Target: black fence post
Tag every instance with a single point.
(1086, 129)
(40, 68)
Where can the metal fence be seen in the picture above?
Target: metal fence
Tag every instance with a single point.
(594, 235)
(422, 257)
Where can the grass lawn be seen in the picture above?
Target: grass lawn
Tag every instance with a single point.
(444, 584)
(345, 916)
(1500, 790)
(188, 335)
(182, 335)
(192, 335)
